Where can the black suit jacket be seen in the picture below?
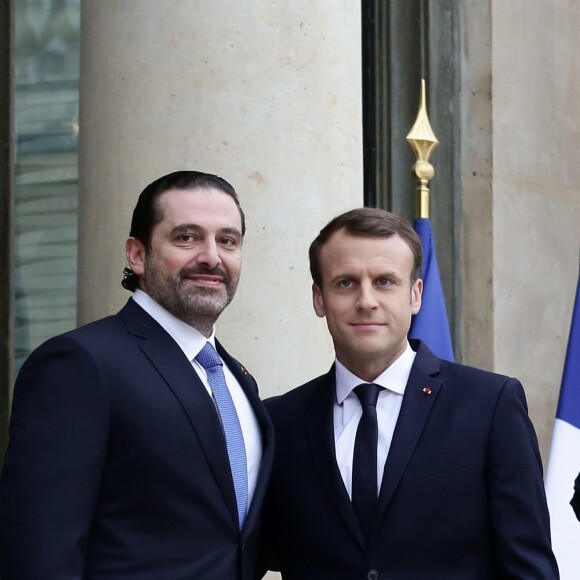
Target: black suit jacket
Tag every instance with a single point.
(462, 495)
(575, 501)
(117, 465)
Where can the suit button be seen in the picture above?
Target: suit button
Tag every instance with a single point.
(373, 575)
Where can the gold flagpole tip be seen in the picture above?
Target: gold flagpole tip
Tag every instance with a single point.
(423, 141)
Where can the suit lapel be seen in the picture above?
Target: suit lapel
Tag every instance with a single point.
(181, 378)
(420, 396)
(320, 435)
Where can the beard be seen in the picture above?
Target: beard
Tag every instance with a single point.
(197, 306)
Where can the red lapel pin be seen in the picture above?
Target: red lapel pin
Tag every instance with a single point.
(427, 390)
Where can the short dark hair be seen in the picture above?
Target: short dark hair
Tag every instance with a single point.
(367, 222)
(147, 213)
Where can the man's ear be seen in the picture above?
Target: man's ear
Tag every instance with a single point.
(318, 301)
(135, 252)
(416, 294)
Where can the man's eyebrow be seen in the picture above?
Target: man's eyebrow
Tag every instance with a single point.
(184, 228)
(389, 274)
(232, 231)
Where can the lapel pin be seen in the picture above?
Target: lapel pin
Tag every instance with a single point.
(244, 370)
(427, 390)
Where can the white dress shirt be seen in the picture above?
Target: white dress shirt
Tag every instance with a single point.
(348, 411)
(191, 341)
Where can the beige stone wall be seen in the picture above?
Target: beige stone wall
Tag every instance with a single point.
(536, 202)
(267, 95)
(476, 325)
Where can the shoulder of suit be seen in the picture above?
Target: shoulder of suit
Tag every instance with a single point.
(103, 326)
(458, 377)
(429, 363)
(462, 370)
(102, 334)
(300, 394)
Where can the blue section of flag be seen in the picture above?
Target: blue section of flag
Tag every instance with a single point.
(569, 403)
(430, 324)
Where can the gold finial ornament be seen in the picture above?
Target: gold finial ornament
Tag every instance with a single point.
(423, 142)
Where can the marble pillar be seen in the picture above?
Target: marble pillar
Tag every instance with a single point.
(268, 96)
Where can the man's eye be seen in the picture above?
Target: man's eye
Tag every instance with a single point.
(385, 282)
(345, 283)
(186, 238)
(228, 242)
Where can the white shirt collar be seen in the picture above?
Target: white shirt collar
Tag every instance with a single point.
(394, 378)
(189, 339)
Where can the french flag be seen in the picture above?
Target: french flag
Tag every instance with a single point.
(430, 324)
(564, 461)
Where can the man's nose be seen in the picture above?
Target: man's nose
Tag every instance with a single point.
(209, 254)
(366, 297)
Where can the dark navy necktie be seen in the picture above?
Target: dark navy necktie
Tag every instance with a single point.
(364, 464)
(209, 359)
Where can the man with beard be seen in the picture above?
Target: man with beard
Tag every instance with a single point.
(131, 454)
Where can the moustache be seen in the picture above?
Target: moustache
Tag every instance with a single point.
(201, 271)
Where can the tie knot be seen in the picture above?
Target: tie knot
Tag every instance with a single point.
(368, 393)
(208, 357)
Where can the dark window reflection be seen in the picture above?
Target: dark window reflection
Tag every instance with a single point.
(45, 197)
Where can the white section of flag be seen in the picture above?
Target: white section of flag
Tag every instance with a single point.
(563, 468)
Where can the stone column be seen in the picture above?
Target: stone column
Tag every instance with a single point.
(267, 95)
(536, 216)
(519, 188)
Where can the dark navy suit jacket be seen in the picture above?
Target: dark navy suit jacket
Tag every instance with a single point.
(117, 465)
(462, 496)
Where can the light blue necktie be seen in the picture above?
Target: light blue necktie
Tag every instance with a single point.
(209, 359)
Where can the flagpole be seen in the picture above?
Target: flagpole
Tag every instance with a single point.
(430, 324)
(423, 141)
